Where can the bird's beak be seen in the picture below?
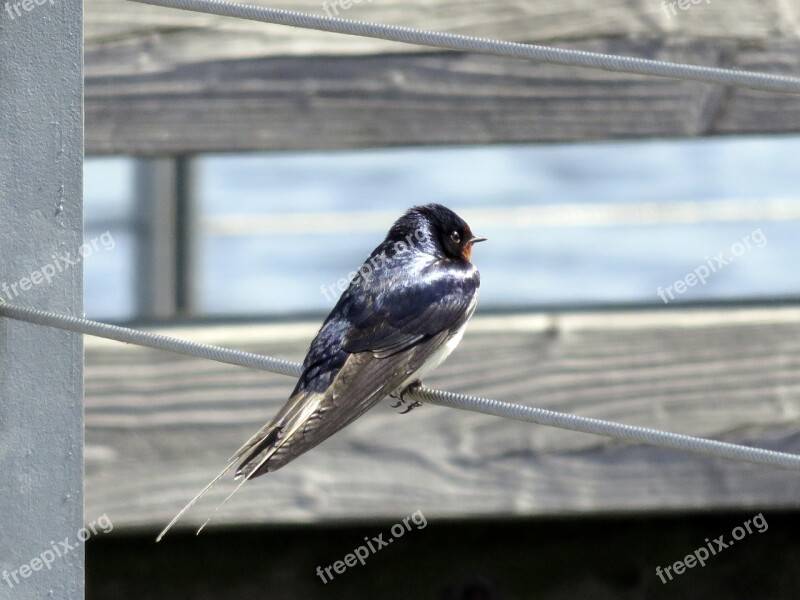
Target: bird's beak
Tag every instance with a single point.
(468, 246)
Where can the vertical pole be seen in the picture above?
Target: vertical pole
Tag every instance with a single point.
(41, 230)
(186, 239)
(155, 261)
(165, 269)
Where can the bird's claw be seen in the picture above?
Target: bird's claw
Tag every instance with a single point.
(411, 407)
(401, 397)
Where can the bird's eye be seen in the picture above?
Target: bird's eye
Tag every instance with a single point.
(455, 237)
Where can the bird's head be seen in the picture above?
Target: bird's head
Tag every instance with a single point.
(435, 229)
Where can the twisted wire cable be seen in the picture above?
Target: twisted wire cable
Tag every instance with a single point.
(485, 406)
(450, 41)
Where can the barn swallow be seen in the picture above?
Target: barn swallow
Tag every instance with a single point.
(403, 313)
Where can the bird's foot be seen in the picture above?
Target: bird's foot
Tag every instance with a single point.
(411, 407)
(415, 385)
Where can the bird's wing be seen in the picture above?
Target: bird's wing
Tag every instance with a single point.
(437, 301)
(311, 417)
(390, 340)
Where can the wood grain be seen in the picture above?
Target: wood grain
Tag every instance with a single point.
(162, 81)
(428, 99)
(175, 36)
(160, 426)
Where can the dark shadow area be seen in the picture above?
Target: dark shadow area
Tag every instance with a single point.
(545, 559)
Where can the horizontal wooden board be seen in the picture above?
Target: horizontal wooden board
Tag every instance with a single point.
(292, 103)
(148, 38)
(159, 426)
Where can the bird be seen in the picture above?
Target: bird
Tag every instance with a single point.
(404, 311)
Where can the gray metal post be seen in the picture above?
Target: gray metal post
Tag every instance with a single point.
(41, 369)
(186, 236)
(155, 261)
(165, 272)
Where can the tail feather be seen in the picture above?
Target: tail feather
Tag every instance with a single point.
(260, 440)
(268, 440)
(199, 495)
(288, 425)
(259, 449)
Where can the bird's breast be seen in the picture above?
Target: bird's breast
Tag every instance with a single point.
(446, 349)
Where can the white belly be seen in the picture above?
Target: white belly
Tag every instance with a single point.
(436, 358)
(442, 353)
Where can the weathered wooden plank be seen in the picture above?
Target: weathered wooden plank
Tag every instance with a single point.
(431, 98)
(159, 426)
(148, 38)
(166, 81)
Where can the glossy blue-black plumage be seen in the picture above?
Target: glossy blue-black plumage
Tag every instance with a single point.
(413, 294)
(408, 290)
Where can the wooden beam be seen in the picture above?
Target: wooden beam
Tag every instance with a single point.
(160, 426)
(141, 38)
(428, 99)
(167, 81)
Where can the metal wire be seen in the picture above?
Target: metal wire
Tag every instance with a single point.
(450, 41)
(486, 406)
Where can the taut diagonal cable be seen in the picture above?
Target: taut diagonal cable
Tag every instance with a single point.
(486, 406)
(465, 43)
